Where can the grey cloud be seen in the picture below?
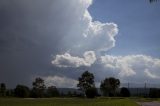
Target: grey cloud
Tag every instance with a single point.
(28, 36)
(32, 32)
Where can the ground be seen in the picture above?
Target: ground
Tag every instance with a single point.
(67, 102)
(148, 102)
(153, 103)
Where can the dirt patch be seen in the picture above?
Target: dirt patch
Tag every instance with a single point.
(154, 103)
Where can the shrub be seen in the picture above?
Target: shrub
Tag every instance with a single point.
(154, 93)
(91, 92)
(125, 92)
(22, 91)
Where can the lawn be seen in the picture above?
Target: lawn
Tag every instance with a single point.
(66, 102)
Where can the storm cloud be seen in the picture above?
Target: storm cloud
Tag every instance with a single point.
(58, 40)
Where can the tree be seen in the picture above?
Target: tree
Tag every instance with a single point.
(62, 94)
(109, 86)
(69, 94)
(152, 1)
(124, 92)
(10, 93)
(52, 91)
(75, 93)
(91, 92)
(22, 91)
(38, 87)
(3, 89)
(86, 81)
(154, 93)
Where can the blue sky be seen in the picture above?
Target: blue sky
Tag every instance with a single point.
(138, 22)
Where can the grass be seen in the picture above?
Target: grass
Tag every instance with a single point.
(66, 102)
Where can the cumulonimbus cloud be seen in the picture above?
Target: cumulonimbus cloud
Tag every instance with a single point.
(89, 35)
(33, 30)
(86, 34)
(66, 60)
(30, 31)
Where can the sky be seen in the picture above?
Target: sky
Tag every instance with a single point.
(60, 39)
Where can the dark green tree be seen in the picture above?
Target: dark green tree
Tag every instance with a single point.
(38, 88)
(91, 92)
(152, 1)
(75, 93)
(3, 89)
(52, 91)
(125, 92)
(69, 94)
(62, 94)
(22, 91)
(86, 81)
(154, 93)
(10, 92)
(109, 86)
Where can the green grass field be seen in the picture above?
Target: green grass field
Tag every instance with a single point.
(66, 102)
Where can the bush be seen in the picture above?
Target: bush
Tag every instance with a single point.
(52, 91)
(91, 92)
(125, 92)
(22, 91)
(154, 93)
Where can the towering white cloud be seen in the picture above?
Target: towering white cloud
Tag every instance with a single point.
(81, 33)
(101, 35)
(31, 31)
(66, 60)
(85, 34)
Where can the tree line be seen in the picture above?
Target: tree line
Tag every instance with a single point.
(109, 87)
(39, 90)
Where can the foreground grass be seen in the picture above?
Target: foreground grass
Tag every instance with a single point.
(66, 102)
